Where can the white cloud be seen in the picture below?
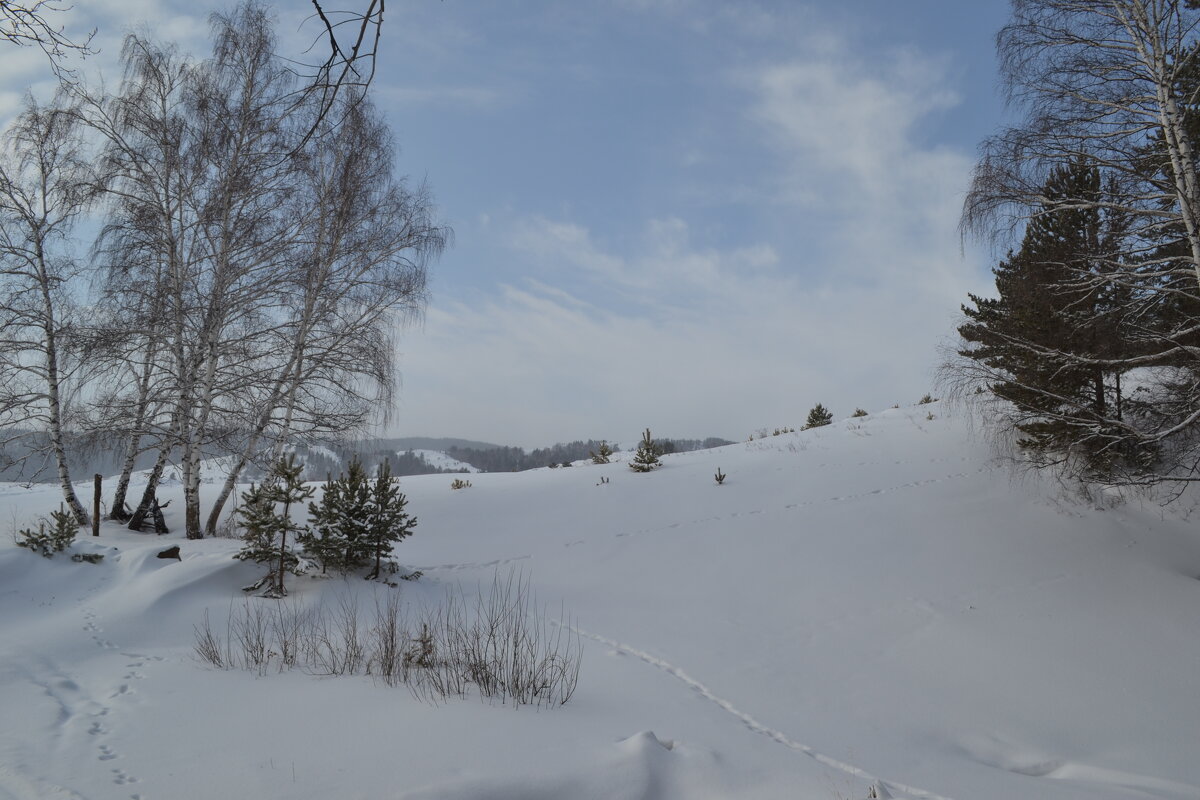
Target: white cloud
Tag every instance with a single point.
(722, 343)
(696, 340)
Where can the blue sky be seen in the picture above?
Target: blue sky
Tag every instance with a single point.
(701, 217)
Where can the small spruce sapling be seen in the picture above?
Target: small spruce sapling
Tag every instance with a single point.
(389, 522)
(339, 521)
(818, 416)
(858, 412)
(267, 528)
(602, 454)
(63, 527)
(647, 454)
(720, 476)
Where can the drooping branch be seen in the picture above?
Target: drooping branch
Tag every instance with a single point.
(31, 25)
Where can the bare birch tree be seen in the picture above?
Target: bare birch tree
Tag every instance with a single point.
(45, 184)
(263, 248)
(358, 267)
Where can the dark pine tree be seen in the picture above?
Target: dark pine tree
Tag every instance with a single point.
(267, 526)
(817, 416)
(646, 457)
(340, 521)
(388, 522)
(1050, 337)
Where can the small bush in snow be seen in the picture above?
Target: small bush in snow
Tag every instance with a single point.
(647, 454)
(858, 412)
(61, 533)
(459, 483)
(926, 400)
(495, 642)
(720, 476)
(818, 416)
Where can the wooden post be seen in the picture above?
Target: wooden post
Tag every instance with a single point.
(96, 506)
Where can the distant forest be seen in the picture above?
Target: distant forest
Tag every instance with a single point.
(100, 454)
(515, 459)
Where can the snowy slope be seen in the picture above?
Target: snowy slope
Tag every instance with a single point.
(436, 458)
(873, 602)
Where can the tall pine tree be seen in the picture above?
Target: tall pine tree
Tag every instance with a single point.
(1048, 340)
(388, 522)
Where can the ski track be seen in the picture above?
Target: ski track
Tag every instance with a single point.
(754, 725)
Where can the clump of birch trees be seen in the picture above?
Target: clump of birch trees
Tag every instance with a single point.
(250, 251)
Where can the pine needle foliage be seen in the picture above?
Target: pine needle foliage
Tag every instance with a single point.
(387, 522)
(339, 522)
(647, 455)
(267, 526)
(60, 536)
(601, 454)
(818, 416)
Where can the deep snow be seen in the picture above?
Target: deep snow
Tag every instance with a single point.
(876, 602)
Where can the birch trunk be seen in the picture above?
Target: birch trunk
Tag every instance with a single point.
(53, 401)
(147, 504)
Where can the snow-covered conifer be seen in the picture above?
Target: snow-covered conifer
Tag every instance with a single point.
(647, 454)
(267, 527)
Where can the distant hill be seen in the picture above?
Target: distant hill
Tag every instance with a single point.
(409, 455)
(430, 443)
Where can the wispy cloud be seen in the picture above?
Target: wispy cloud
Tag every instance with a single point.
(843, 305)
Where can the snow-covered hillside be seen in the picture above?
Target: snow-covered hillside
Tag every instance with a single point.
(436, 458)
(872, 605)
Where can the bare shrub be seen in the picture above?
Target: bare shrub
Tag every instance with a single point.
(498, 641)
(506, 649)
(387, 640)
(250, 632)
(208, 646)
(289, 629)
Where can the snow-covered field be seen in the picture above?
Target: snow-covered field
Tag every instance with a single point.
(870, 603)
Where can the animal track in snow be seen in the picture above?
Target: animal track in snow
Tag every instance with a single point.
(499, 562)
(807, 503)
(121, 777)
(750, 722)
(135, 662)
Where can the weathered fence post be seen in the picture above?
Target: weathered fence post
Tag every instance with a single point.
(96, 506)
